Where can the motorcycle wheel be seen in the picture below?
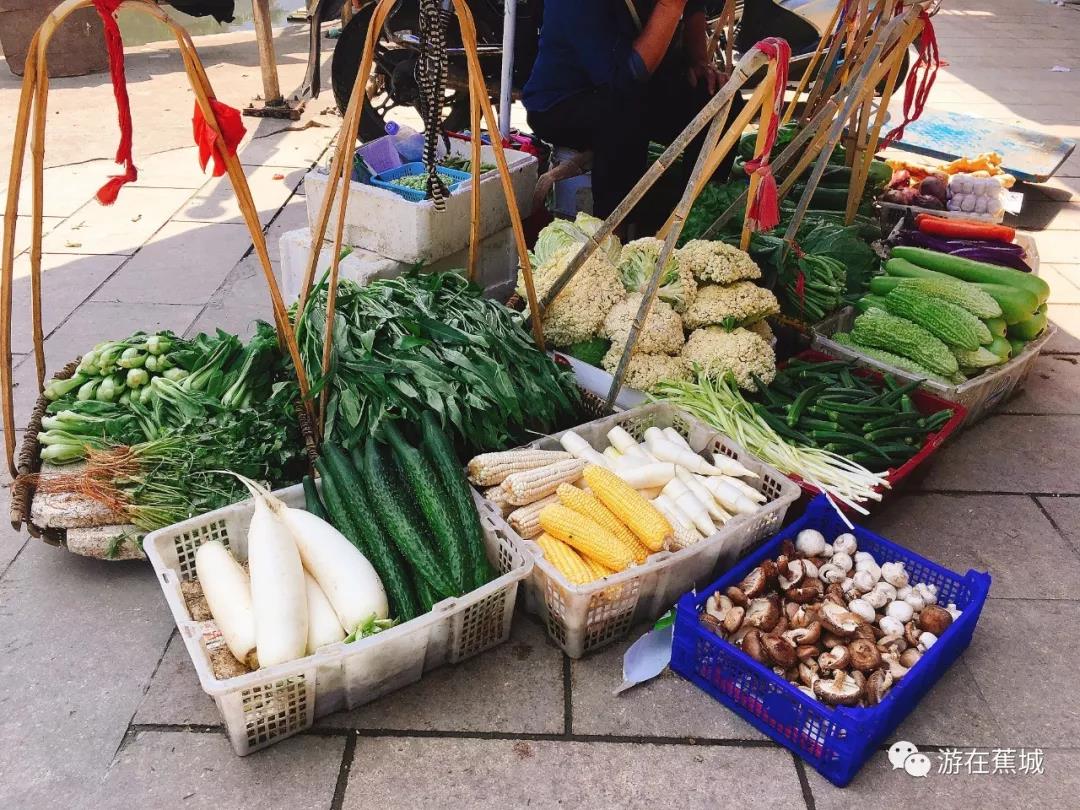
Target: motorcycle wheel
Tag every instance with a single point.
(379, 101)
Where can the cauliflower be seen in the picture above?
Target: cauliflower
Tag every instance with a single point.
(713, 352)
(662, 333)
(732, 305)
(637, 264)
(578, 311)
(762, 329)
(717, 261)
(645, 371)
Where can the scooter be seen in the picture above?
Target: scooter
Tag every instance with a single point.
(393, 84)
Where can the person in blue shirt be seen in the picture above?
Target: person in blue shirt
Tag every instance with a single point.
(611, 75)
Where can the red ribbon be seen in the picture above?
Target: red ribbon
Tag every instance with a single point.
(764, 211)
(232, 130)
(115, 44)
(920, 79)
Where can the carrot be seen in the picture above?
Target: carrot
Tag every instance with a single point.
(963, 228)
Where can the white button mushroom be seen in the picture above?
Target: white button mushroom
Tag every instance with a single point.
(887, 589)
(926, 641)
(877, 598)
(915, 600)
(810, 571)
(890, 626)
(862, 609)
(847, 585)
(810, 542)
(842, 560)
(864, 581)
(901, 611)
(845, 543)
(831, 573)
(954, 611)
(927, 592)
(894, 574)
(827, 551)
(905, 592)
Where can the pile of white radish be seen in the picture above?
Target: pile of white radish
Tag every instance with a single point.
(694, 495)
(306, 585)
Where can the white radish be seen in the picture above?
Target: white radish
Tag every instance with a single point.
(642, 447)
(646, 476)
(666, 450)
(612, 454)
(323, 625)
(228, 593)
(716, 512)
(625, 443)
(694, 509)
(677, 438)
(648, 493)
(745, 489)
(729, 497)
(579, 448)
(673, 514)
(342, 571)
(278, 593)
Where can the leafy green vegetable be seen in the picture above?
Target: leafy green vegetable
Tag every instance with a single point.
(562, 233)
(824, 238)
(590, 351)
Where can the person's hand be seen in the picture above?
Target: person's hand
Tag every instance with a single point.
(675, 5)
(708, 73)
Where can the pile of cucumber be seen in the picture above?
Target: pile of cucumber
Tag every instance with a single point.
(829, 405)
(409, 509)
(945, 317)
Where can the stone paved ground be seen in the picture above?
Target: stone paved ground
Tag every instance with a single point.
(101, 707)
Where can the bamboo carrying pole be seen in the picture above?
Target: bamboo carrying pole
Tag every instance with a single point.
(340, 170)
(760, 144)
(826, 35)
(32, 99)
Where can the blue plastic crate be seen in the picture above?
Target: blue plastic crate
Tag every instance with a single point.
(835, 741)
(383, 179)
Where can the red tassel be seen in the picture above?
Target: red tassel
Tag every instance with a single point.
(920, 81)
(115, 44)
(232, 130)
(764, 213)
(800, 286)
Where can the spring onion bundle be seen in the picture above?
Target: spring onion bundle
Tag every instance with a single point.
(722, 405)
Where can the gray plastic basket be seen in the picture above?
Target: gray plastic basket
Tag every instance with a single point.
(980, 395)
(263, 707)
(583, 618)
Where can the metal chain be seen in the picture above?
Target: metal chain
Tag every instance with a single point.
(431, 75)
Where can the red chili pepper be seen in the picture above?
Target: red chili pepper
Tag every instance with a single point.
(963, 228)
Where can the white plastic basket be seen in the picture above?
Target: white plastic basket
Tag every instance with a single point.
(263, 707)
(583, 618)
(980, 395)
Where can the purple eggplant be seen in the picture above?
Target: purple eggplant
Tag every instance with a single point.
(942, 245)
(990, 255)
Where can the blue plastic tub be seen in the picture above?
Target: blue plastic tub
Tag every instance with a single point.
(383, 179)
(835, 741)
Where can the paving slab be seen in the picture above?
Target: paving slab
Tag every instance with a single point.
(1007, 453)
(668, 706)
(1063, 280)
(66, 187)
(172, 168)
(1067, 319)
(191, 769)
(22, 229)
(292, 216)
(879, 787)
(11, 541)
(270, 187)
(509, 773)
(81, 639)
(191, 258)
(283, 143)
(1024, 663)
(1059, 247)
(120, 228)
(66, 282)
(175, 696)
(516, 688)
(983, 532)
(1038, 215)
(1052, 387)
(1065, 512)
(242, 299)
(953, 712)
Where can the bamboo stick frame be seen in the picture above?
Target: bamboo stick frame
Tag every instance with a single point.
(340, 170)
(749, 64)
(33, 99)
(826, 35)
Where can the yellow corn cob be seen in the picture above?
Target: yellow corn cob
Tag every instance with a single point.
(585, 536)
(496, 495)
(525, 520)
(493, 468)
(566, 561)
(640, 516)
(587, 505)
(596, 570)
(532, 485)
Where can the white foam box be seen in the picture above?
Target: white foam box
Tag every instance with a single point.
(496, 270)
(414, 232)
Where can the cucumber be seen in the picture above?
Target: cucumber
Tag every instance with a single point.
(399, 519)
(868, 301)
(1000, 346)
(996, 326)
(430, 496)
(969, 270)
(428, 597)
(1032, 327)
(440, 452)
(311, 499)
(1016, 305)
(352, 515)
(1017, 345)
